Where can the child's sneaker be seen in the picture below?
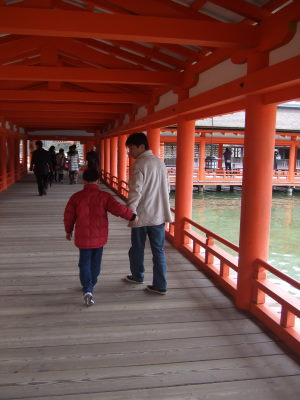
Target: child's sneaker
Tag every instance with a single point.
(89, 299)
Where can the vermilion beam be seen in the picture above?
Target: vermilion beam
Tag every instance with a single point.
(58, 74)
(279, 76)
(64, 96)
(125, 27)
(70, 107)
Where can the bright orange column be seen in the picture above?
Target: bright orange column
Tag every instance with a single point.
(102, 154)
(113, 158)
(11, 159)
(106, 159)
(122, 161)
(292, 160)
(17, 159)
(184, 177)
(162, 151)
(256, 193)
(153, 136)
(202, 159)
(220, 155)
(3, 162)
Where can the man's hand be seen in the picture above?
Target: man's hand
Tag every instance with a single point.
(133, 223)
(69, 236)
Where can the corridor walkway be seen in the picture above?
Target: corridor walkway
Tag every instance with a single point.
(190, 344)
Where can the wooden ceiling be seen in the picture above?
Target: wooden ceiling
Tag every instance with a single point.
(82, 64)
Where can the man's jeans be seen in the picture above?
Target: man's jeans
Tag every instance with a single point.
(89, 267)
(156, 236)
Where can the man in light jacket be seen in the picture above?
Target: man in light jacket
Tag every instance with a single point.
(148, 197)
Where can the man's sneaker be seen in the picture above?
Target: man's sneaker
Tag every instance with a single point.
(89, 299)
(152, 289)
(129, 278)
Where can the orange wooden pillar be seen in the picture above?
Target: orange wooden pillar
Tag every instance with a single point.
(3, 162)
(102, 154)
(11, 159)
(107, 159)
(256, 193)
(162, 151)
(25, 156)
(122, 161)
(220, 155)
(153, 136)
(184, 177)
(18, 173)
(113, 159)
(202, 159)
(292, 160)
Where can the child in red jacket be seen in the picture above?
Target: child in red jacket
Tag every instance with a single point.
(87, 211)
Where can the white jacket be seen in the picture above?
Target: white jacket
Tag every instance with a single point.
(148, 195)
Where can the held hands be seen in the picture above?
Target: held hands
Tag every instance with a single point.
(132, 224)
(69, 236)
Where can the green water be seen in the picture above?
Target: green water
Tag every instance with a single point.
(220, 213)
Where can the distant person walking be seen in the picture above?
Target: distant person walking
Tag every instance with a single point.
(73, 159)
(61, 160)
(92, 158)
(227, 158)
(87, 211)
(41, 166)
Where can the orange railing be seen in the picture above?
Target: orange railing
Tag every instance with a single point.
(221, 176)
(219, 259)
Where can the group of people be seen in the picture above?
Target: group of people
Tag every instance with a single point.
(49, 166)
(147, 210)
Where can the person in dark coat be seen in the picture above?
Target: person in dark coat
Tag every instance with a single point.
(52, 173)
(92, 158)
(87, 211)
(227, 159)
(41, 165)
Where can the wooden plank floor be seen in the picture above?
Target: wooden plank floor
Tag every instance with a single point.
(190, 344)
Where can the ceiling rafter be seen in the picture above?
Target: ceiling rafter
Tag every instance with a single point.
(57, 74)
(126, 27)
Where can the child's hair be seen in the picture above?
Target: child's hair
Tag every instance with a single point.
(90, 175)
(137, 139)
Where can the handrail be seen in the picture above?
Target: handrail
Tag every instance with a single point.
(223, 267)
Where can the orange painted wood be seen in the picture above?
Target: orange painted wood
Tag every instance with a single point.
(65, 107)
(114, 156)
(122, 161)
(153, 136)
(125, 27)
(257, 179)
(107, 155)
(54, 74)
(64, 96)
(184, 177)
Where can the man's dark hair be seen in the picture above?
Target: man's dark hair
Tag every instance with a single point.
(39, 143)
(90, 175)
(136, 139)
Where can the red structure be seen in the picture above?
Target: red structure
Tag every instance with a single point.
(96, 71)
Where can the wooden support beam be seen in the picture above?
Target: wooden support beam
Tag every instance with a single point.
(73, 96)
(126, 27)
(57, 74)
(65, 107)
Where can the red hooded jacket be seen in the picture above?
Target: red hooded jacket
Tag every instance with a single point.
(87, 210)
